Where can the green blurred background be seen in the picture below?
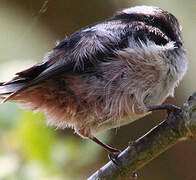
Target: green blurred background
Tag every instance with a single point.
(29, 149)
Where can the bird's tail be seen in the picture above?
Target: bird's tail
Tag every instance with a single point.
(9, 90)
(47, 97)
(22, 81)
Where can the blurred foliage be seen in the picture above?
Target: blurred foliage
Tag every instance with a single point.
(30, 150)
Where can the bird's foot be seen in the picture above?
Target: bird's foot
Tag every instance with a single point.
(113, 156)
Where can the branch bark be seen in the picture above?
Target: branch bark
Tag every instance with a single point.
(179, 125)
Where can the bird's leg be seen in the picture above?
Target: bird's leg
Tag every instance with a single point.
(168, 107)
(105, 146)
(172, 111)
(113, 153)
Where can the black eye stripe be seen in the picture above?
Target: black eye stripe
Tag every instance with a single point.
(147, 32)
(155, 21)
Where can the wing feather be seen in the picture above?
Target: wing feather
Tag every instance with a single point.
(83, 49)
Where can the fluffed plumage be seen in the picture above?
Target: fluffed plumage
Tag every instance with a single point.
(105, 75)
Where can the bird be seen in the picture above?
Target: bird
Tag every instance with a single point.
(106, 74)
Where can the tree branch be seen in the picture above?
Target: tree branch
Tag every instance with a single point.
(179, 125)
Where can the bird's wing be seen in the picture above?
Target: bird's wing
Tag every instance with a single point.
(84, 48)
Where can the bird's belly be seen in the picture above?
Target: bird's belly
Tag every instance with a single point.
(111, 123)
